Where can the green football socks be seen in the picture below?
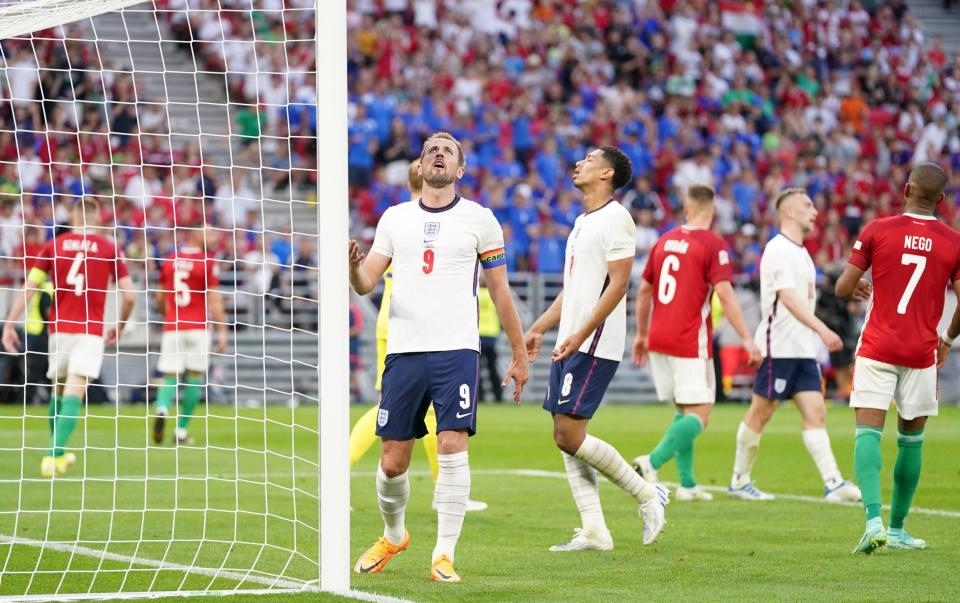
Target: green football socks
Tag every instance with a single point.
(678, 441)
(64, 423)
(906, 475)
(191, 395)
(166, 392)
(866, 463)
(685, 467)
(53, 409)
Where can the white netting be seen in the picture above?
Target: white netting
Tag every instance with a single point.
(175, 112)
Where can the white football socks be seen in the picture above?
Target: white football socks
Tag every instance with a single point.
(392, 495)
(817, 442)
(586, 493)
(605, 459)
(748, 445)
(452, 493)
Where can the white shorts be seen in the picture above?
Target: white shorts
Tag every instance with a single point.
(876, 383)
(74, 354)
(683, 380)
(184, 351)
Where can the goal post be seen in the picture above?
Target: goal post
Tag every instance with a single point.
(181, 117)
(332, 195)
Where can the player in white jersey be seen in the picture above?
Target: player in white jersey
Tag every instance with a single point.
(592, 314)
(436, 245)
(787, 338)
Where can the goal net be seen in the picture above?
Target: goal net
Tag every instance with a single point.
(194, 124)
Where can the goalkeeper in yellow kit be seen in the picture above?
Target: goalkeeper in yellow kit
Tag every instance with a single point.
(363, 434)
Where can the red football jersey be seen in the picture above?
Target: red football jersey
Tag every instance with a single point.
(185, 277)
(683, 267)
(81, 267)
(914, 258)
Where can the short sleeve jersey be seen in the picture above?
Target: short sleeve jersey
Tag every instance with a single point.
(683, 268)
(606, 234)
(436, 256)
(913, 259)
(81, 267)
(185, 277)
(786, 265)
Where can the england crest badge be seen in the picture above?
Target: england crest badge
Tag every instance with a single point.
(382, 417)
(431, 229)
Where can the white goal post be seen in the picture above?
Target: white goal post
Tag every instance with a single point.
(221, 117)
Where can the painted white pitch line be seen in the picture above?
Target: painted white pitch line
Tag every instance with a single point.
(530, 473)
(372, 597)
(166, 565)
(357, 595)
(560, 475)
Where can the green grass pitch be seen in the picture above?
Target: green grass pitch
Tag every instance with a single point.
(788, 549)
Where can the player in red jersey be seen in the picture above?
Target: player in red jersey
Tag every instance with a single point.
(81, 265)
(913, 258)
(188, 281)
(684, 268)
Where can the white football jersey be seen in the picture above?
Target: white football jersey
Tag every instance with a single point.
(436, 257)
(786, 265)
(603, 235)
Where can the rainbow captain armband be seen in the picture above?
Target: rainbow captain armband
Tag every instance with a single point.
(493, 258)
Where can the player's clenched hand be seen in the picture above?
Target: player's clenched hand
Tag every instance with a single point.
(356, 256)
(831, 340)
(11, 341)
(640, 350)
(943, 350)
(519, 373)
(532, 342)
(753, 352)
(863, 290)
(113, 335)
(568, 347)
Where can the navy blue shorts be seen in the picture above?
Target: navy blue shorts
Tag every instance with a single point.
(578, 383)
(781, 378)
(411, 381)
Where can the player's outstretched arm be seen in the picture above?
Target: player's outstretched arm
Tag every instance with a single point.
(641, 343)
(851, 284)
(548, 320)
(128, 298)
(619, 273)
(791, 301)
(731, 309)
(11, 341)
(365, 269)
(499, 287)
(952, 332)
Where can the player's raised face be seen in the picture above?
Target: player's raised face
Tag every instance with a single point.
(591, 169)
(440, 163)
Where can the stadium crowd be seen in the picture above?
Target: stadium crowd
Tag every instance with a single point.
(826, 95)
(74, 121)
(839, 97)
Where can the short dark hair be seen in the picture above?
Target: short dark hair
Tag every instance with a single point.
(88, 205)
(929, 180)
(701, 193)
(621, 164)
(445, 136)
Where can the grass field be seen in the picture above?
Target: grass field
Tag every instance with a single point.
(790, 549)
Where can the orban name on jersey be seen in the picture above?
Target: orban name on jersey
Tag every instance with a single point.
(88, 245)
